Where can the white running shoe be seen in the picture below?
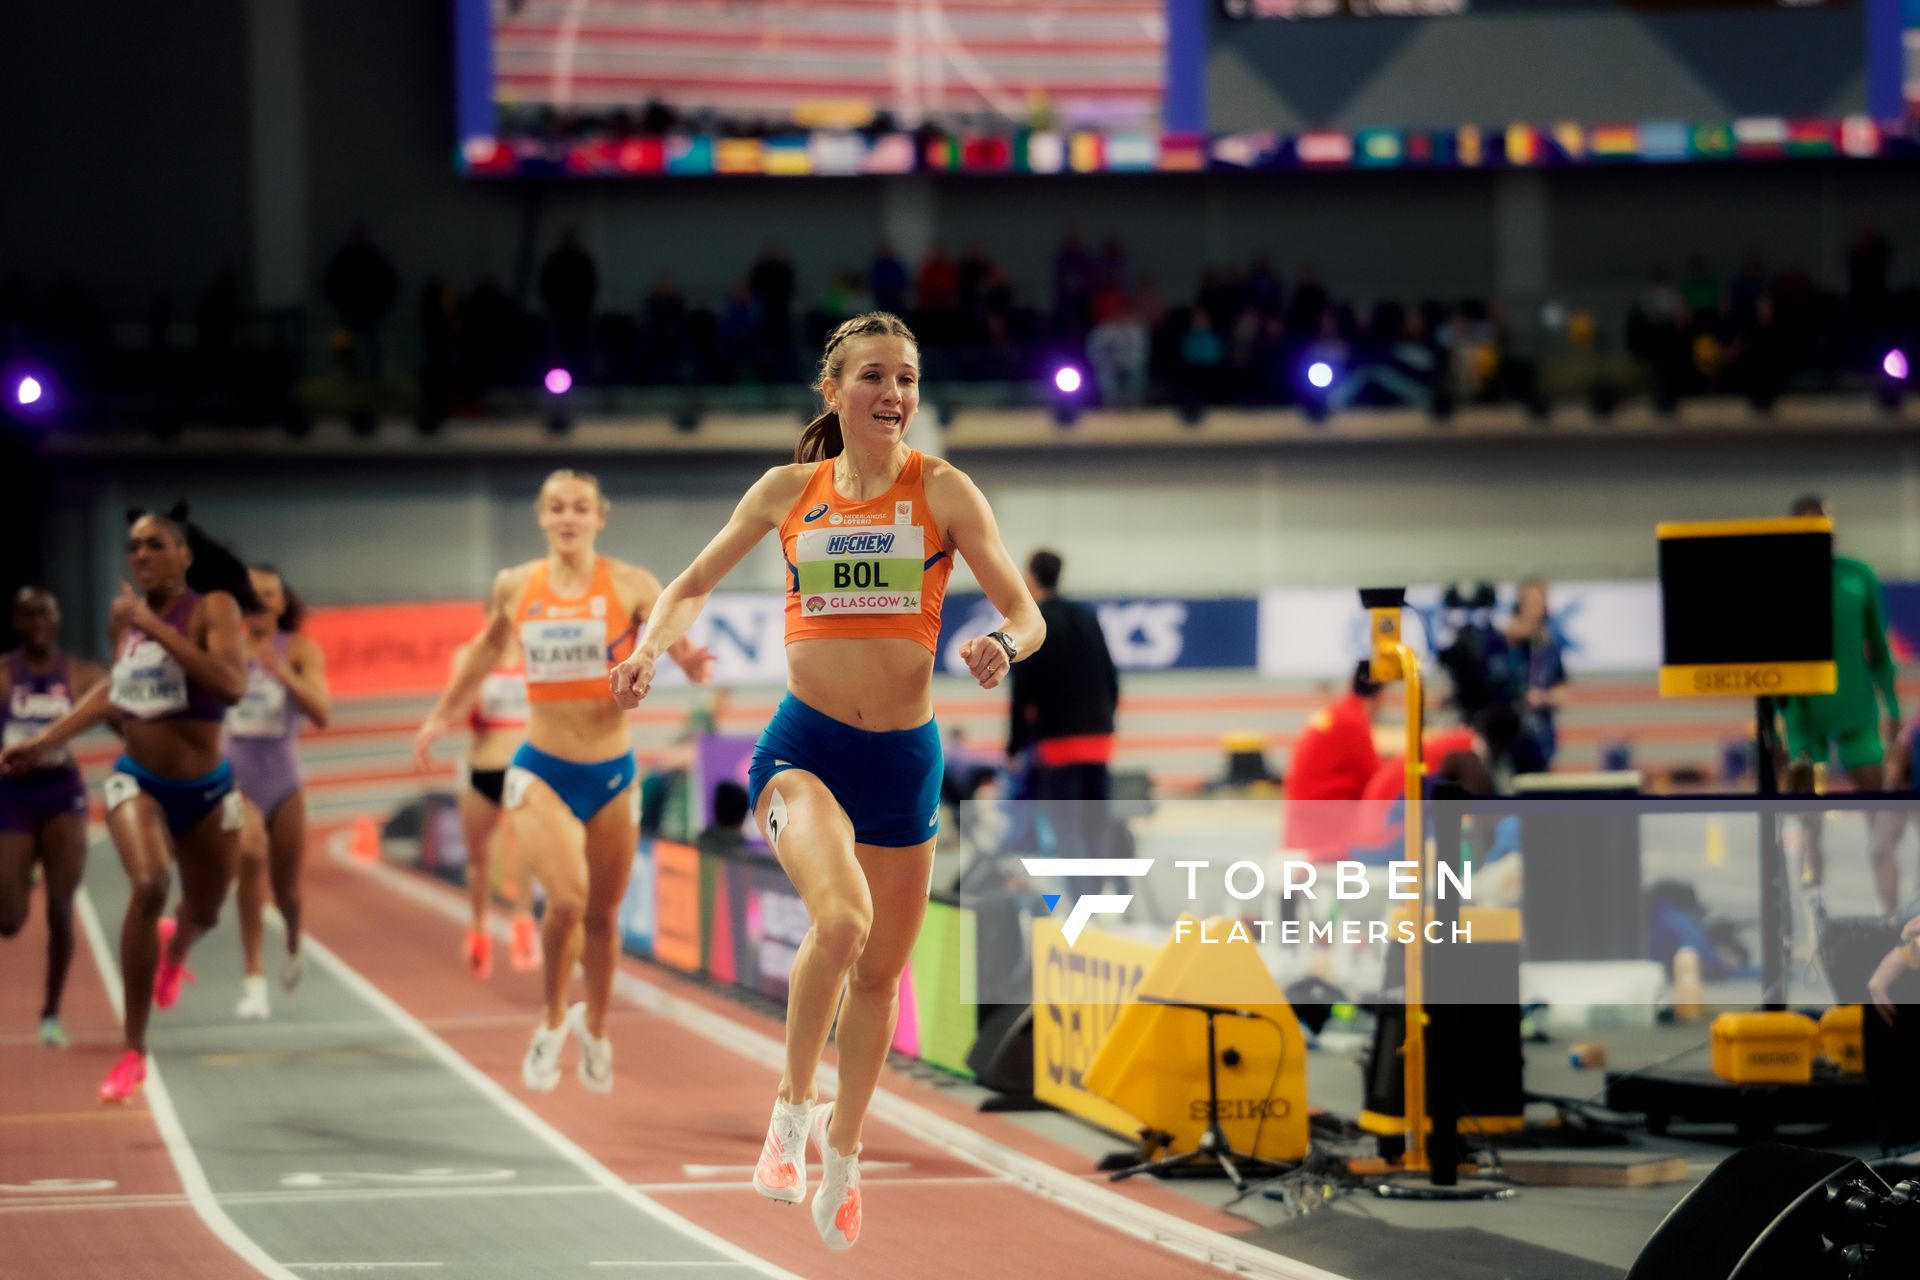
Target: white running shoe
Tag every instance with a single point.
(782, 1172)
(596, 1052)
(253, 999)
(292, 969)
(836, 1205)
(540, 1069)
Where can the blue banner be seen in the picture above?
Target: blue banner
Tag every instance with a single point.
(1142, 634)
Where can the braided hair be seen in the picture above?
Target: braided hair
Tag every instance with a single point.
(822, 438)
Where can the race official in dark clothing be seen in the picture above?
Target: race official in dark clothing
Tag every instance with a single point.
(1062, 717)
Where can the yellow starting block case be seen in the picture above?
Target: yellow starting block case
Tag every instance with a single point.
(1765, 1048)
(1762, 1077)
(1842, 1038)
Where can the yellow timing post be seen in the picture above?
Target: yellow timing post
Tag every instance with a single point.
(1391, 659)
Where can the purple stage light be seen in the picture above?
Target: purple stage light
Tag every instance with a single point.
(29, 391)
(1894, 365)
(1067, 379)
(559, 381)
(1320, 374)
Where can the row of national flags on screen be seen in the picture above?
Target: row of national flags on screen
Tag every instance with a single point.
(1047, 152)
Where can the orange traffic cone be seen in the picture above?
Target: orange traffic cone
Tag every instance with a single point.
(365, 840)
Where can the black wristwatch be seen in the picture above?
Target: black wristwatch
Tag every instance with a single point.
(1006, 642)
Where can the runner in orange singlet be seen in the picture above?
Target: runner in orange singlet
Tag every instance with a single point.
(569, 794)
(846, 779)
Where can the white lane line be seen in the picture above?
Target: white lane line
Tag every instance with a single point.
(1090, 1199)
(186, 1164)
(388, 1194)
(866, 1183)
(518, 1111)
(97, 1202)
(330, 1030)
(746, 1170)
(675, 1265)
(359, 1266)
(58, 1186)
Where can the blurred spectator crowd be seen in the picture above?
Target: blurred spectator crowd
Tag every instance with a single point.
(1758, 331)
(1246, 335)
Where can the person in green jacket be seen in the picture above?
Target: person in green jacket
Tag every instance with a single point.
(1847, 721)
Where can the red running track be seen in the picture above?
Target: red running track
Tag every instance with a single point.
(58, 1145)
(682, 1100)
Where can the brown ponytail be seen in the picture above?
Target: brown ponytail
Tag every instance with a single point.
(822, 438)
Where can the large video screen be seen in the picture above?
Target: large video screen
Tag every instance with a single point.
(1540, 61)
(765, 65)
(597, 88)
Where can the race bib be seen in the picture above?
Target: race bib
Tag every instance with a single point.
(30, 713)
(873, 570)
(19, 731)
(262, 712)
(503, 699)
(148, 683)
(559, 649)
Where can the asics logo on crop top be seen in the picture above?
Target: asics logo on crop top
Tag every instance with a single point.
(860, 544)
(814, 514)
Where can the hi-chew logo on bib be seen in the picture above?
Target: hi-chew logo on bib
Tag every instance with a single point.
(842, 544)
(871, 571)
(558, 650)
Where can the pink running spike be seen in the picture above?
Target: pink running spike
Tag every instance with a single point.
(125, 1079)
(525, 955)
(171, 974)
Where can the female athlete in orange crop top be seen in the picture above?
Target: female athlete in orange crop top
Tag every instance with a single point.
(846, 778)
(569, 796)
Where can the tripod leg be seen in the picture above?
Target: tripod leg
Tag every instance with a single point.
(1239, 1183)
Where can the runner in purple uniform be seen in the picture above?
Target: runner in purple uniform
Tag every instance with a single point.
(43, 813)
(286, 681)
(179, 664)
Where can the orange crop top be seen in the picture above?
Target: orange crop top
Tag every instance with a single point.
(569, 645)
(865, 570)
